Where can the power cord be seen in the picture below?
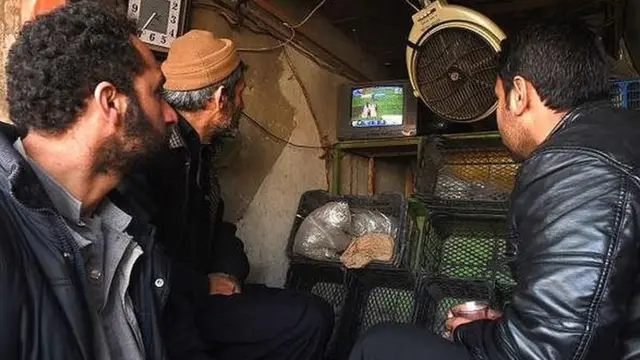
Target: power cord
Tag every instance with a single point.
(278, 138)
(293, 32)
(412, 5)
(260, 30)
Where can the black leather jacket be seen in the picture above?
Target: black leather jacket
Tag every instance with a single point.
(43, 308)
(575, 237)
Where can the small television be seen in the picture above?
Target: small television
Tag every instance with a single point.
(373, 110)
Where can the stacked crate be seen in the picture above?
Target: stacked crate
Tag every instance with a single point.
(450, 246)
(465, 183)
(363, 298)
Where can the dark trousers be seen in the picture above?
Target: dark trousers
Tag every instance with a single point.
(267, 324)
(405, 342)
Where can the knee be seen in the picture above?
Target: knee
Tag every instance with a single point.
(373, 341)
(383, 332)
(319, 314)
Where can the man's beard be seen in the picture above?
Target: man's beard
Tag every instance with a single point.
(139, 144)
(230, 128)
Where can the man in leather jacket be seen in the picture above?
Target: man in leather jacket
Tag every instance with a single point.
(80, 277)
(575, 230)
(205, 80)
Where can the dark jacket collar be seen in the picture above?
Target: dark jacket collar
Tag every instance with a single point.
(185, 138)
(16, 175)
(11, 163)
(578, 112)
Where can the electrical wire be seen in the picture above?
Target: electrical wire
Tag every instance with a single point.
(278, 138)
(257, 123)
(412, 5)
(293, 32)
(304, 21)
(271, 48)
(261, 30)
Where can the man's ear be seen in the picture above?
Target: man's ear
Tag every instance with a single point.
(518, 96)
(111, 103)
(219, 98)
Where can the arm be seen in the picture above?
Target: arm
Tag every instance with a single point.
(575, 219)
(228, 256)
(10, 309)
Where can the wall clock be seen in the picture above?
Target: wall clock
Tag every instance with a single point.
(159, 21)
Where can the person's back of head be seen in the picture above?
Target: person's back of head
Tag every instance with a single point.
(546, 69)
(205, 81)
(59, 59)
(562, 58)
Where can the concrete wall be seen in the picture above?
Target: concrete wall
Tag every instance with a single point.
(263, 178)
(10, 22)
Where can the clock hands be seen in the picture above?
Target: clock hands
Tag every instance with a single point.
(149, 21)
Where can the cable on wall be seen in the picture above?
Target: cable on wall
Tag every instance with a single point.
(293, 32)
(278, 138)
(260, 30)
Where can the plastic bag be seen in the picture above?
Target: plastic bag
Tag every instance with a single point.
(365, 221)
(450, 186)
(324, 233)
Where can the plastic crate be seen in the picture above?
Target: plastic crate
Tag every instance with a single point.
(393, 205)
(466, 247)
(625, 94)
(336, 286)
(385, 296)
(466, 174)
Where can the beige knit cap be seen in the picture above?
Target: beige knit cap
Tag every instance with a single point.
(198, 59)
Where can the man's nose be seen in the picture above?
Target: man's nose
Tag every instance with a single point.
(170, 115)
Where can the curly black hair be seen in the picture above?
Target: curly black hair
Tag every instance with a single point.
(59, 58)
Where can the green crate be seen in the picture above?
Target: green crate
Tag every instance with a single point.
(466, 247)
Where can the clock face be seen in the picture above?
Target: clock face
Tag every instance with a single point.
(159, 21)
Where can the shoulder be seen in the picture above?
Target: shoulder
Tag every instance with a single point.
(572, 170)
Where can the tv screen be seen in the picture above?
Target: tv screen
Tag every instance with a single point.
(377, 106)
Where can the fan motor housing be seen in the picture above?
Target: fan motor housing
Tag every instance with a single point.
(451, 57)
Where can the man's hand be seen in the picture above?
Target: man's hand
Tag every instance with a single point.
(453, 322)
(223, 284)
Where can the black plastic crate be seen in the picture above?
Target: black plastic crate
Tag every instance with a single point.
(385, 296)
(336, 286)
(393, 205)
(504, 293)
(465, 173)
(465, 247)
(439, 295)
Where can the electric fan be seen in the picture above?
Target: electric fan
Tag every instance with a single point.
(451, 60)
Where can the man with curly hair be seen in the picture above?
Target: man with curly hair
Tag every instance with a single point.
(79, 275)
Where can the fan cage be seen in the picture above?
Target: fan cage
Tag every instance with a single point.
(462, 89)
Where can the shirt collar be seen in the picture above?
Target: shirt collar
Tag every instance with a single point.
(175, 139)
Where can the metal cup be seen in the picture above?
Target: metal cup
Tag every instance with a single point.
(472, 310)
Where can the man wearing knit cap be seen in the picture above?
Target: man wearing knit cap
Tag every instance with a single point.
(204, 84)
